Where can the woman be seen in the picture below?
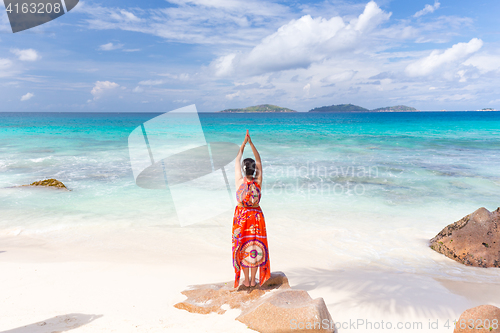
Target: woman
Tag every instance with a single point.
(250, 249)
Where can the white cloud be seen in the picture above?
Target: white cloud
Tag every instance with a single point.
(349, 45)
(110, 47)
(181, 77)
(371, 17)
(231, 96)
(151, 82)
(125, 16)
(428, 9)
(437, 59)
(200, 22)
(5, 67)
(26, 55)
(461, 74)
(484, 62)
(27, 97)
(101, 87)
(5, 63)
(456, 97)
(307, 88)
(340, 77)
(302, 42)
(224, 65)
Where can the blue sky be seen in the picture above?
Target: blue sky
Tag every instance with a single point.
(155, 56)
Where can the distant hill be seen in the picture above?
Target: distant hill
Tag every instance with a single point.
(397, 108)
(332, 108)
(259, 108)
(351, 108)
(339, 108)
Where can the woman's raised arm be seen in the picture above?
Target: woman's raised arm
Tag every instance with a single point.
(238, 177)
(258, 162)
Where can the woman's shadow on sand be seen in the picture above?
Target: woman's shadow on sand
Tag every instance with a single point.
(57, 324)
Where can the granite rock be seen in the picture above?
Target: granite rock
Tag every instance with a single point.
(288, 311)
(272, 307)
(483, 318)
(49, 183)
(209, 298)
(474, 240)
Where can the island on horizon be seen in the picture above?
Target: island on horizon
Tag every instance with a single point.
(397, 108)
(259, 108)
(270, 108)
(487, 109)
(357, 108)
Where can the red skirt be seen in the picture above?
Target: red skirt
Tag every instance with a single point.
(250, 243)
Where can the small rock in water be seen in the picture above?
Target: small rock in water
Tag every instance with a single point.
(49, 183)
(474, 240)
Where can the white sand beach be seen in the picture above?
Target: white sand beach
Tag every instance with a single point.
(96, 279)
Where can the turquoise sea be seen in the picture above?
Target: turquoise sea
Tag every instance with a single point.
(364, 179)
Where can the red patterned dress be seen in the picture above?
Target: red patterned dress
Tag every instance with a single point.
(249, 233)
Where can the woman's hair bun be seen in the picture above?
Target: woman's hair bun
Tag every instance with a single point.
(249, 166)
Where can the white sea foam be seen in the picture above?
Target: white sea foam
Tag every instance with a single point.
(41, 159)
